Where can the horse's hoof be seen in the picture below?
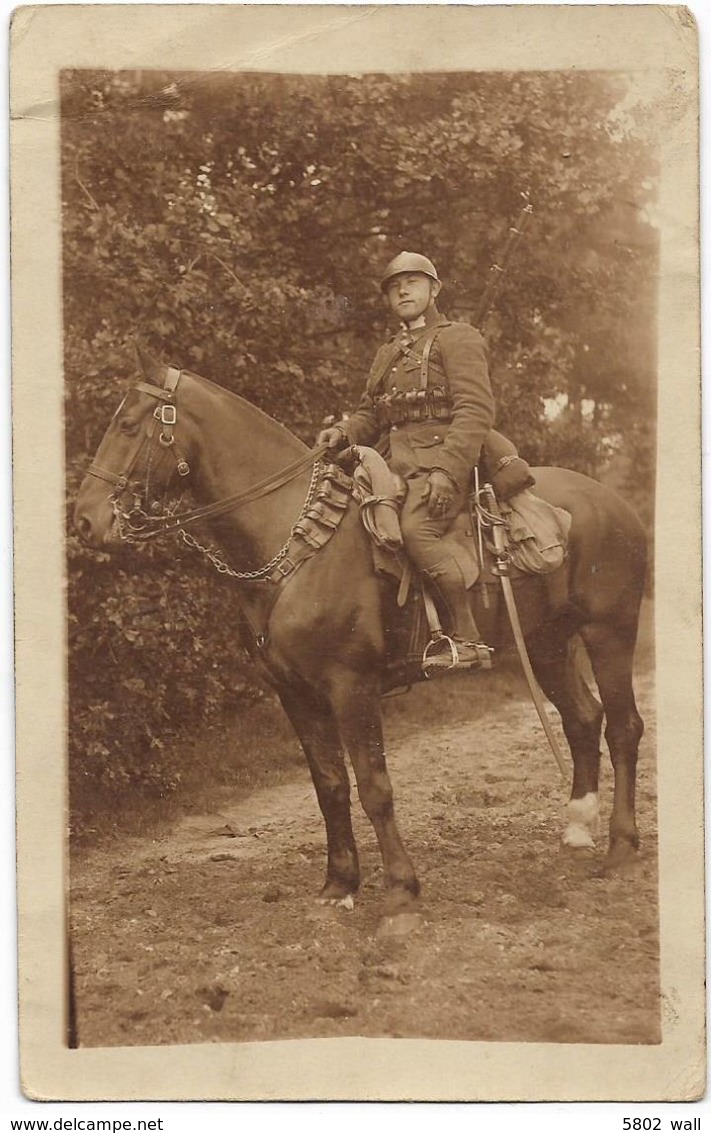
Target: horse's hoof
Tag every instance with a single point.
(345, 902)
(577, 838)
(621, 859)
(399, 900)
(573, 857)
(338, 893)
(582, 825)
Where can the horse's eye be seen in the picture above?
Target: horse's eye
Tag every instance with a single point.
(128, 427)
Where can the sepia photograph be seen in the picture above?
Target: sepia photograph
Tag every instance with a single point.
(363, 648)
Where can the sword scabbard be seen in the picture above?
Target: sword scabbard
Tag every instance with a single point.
(499, 539)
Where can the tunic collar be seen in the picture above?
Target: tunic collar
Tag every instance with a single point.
(416, 325)
(431, 318)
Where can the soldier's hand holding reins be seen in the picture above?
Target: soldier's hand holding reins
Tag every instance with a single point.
(334, 437)
(440, 493)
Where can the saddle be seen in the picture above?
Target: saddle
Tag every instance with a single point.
(536, 531)
(536, 537)
(535, 543)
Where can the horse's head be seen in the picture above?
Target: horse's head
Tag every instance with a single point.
(125, 495)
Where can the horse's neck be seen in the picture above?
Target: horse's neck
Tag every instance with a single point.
(238, 448)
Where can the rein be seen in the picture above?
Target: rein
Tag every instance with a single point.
(263, 488)
(166, 414)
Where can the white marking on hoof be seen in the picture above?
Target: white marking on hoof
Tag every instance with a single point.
(346, 902)
(583, 820)
(578, 837)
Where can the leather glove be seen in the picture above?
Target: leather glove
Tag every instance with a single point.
(334, 437)
(440, 492)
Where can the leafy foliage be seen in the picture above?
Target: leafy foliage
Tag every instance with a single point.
(153, 648)
(236, 224)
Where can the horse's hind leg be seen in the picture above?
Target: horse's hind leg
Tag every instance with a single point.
(611, 650)
(315, 726)
(556, 660)
(355, 698)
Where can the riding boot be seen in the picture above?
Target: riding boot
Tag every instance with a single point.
(448, 586)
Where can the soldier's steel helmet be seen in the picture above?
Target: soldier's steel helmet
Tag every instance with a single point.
(407, 262)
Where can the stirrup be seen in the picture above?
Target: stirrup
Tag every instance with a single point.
(442, 656)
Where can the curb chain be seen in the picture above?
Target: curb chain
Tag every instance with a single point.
(262, 572)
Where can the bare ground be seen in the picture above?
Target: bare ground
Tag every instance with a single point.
(209, 931)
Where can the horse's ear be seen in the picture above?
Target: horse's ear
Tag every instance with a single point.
(148, 364)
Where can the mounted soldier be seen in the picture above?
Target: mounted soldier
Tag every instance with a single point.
(428, 394)
(322, 643)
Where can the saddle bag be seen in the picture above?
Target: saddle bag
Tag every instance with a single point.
(537, 533)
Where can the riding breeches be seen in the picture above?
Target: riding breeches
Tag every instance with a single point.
(422, 534)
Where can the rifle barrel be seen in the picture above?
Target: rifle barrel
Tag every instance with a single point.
(497, 270)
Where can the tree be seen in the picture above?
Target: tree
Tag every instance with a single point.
(237, 223)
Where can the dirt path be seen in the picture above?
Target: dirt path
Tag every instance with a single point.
(210, 932)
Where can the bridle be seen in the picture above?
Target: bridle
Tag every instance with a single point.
(144, 521)
(138, 524)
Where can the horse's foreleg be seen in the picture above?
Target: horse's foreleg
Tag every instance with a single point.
(611, 651)
(556, 662)
(356, 705)
(315, 726)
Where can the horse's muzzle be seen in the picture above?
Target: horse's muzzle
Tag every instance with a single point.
(96, 526)
(84, 528)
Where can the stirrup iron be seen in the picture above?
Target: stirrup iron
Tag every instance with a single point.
(442, 656)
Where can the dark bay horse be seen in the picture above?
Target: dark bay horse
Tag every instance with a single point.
(321, 634)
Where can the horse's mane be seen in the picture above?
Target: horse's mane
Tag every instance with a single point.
(247, 406)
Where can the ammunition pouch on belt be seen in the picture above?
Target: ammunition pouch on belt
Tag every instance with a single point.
(433, 404)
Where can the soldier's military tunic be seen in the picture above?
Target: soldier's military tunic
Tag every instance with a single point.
(441, 426)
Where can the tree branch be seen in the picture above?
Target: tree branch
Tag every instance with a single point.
(83, 187)
(225, 266)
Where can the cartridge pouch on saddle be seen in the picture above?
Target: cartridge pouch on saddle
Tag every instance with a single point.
(532, 539)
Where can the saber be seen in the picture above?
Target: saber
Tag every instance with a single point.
(494, 519)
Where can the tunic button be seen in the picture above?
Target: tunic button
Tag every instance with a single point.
(393, 428)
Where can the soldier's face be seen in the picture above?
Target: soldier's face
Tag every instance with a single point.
(410, 294)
